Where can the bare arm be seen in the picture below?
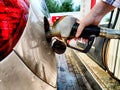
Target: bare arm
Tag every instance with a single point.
(94, 16)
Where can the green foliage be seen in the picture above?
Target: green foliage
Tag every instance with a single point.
(52, 5)
(65, 6)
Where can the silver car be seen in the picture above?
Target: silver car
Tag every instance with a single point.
(26, 60)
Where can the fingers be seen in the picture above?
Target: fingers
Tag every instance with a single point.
(82, 40)
(80, 29)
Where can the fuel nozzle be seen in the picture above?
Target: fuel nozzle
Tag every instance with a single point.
(97, 31)
(66, 29)
(58, 45)
(53, 38)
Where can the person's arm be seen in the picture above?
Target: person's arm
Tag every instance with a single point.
(115, 3)
(94, 16)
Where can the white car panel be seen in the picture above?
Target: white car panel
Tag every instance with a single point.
(33, 47)
(14, 75)
(32, 64)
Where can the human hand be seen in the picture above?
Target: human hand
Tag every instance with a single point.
(86, 21)
(94, 16)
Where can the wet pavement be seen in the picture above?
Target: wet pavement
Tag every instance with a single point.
(66, 77)
(77, 71)
(71, 74)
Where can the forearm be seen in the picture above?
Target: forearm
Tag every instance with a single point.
(100, 10)
(115, 3)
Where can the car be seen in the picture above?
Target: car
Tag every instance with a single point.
(26, 60)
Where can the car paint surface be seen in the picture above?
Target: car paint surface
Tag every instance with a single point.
(32, 64)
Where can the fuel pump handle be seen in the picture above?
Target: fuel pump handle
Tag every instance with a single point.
(97, 31)
(87, 32)
(90, 32)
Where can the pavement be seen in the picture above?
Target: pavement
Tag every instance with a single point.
(69, 74)
(66, 77)
(76, 71)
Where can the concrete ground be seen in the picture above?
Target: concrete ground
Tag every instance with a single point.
(66, 77)
(69, 74)
(76, 71)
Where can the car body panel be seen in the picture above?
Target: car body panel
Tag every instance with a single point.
(31, 58)
(34, 49)
(14, 75)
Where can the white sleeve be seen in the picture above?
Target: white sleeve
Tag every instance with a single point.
(115, 3)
